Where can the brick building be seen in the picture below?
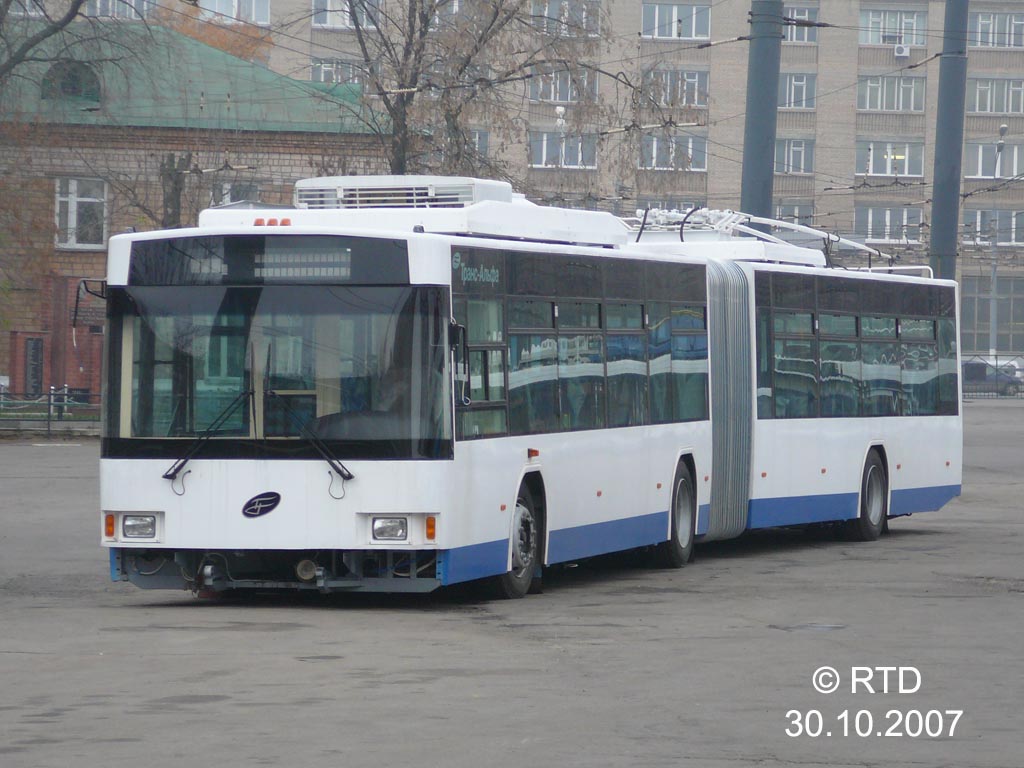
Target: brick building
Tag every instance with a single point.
(107, 142)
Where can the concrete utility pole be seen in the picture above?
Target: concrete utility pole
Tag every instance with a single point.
(949, 140)
(762, 107)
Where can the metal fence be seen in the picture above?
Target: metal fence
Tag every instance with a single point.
(59, 408)
(988, 376)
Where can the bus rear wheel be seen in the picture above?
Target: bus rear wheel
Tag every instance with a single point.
(677, 551)
(874, 501)
(526, 538)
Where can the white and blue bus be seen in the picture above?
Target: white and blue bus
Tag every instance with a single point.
(402, 383)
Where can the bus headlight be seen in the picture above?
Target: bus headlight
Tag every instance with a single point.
(139, 526)
(390, 528)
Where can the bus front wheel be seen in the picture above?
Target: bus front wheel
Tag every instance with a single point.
(874, 501)
(677, 551)
(526, 538)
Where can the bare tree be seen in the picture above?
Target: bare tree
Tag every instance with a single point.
(436, 68)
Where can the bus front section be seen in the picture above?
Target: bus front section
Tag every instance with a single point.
(278, 413)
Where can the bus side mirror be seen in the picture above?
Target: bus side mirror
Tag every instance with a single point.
(460, 351)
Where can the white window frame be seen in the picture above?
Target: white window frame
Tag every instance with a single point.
(335, 70)
(983, 161)
(895, 219)
(893, 27)
(562, 86)
(132, 10)
(558, 150)
(567, 18)
(239, 11)
(28, 9)
(798, 212)
(667, 153)
(1007, 221)
(676, 87)
(800, 34)
(67, 235)
(793, 84)
(995, 95)
(334, 14)
(987, 29)
(685, 21)
(794, 156)
(892, 158)
(890, 93)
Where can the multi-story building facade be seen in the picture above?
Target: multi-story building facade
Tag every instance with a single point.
(652, 113)
(658, 119)
(142, 128)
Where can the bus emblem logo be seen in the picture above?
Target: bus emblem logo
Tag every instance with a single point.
(262, 504)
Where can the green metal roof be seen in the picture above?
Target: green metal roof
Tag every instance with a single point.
(152, 76)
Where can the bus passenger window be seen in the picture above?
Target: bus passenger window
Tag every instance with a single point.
(627, 380)
(485, 321)
(796, 379)
(533, 384)
(581, 381)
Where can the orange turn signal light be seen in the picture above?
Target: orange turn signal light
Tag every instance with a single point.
(431, 527)
(108, 526)
(532, 453)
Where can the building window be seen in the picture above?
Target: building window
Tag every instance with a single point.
(794, 156)
(479, 139)
(335, 13)
(891, 94)
(798, 21)
(667, 204)
(235, 192)
(995, 95)
(27, 8)
(888, 224)
(675, 88)
(552, 149)
(568, 18)
(677, 21)
(879, 27)
(562, 86)
(797, 91)
(796, 211)
(71, 80)
(995, 30)
(337, 71)
(250, 11)
(983, 161)
(998, 226)
(118, 9)
(889, 158)
(673, 153)
(81, 213)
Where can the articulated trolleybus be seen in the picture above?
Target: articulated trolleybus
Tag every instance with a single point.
(403, 383)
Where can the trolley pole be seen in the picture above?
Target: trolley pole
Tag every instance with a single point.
(949, 140)
(762, 107)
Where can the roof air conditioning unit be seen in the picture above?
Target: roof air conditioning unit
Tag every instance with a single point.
(901, 51)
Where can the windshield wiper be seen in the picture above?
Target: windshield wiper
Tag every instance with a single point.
(314, 440)
(200, 441)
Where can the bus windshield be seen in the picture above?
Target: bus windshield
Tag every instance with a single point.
(350, 363)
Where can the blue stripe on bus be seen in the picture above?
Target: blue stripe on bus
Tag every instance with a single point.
(797, 510)
(598, 538)
(474, 561)
(912, 500)
(703, 519)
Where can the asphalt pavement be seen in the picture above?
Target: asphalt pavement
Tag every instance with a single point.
(615, 664)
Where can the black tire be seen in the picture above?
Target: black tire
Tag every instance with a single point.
(526, 550)
(678, 550)
(874, 501)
